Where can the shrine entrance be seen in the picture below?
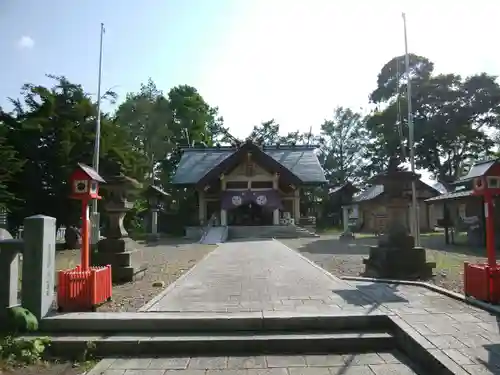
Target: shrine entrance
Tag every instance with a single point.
(250, 214)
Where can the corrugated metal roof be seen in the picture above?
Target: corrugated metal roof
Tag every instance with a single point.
(334, 189)
(195, 164)
(300, 160)
(479, 169)
(451, 195)
(302, 163)
(369, 194)
(91, 172)
(375, 190)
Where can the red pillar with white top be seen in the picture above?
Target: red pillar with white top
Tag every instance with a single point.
(84, 287)
(482, 281)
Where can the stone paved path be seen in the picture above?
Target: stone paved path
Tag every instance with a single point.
(266, 275)
(359, 364)
(259, 276)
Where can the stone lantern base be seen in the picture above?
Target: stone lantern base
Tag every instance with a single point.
(125, 257)
(398, 263)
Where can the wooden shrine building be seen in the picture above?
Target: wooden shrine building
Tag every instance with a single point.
(460, 211)
(248, 184)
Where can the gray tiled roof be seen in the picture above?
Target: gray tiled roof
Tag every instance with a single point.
(300, 160)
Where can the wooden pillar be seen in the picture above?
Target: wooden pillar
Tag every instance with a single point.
(345, 218)
(276, 179)
(276, 217)
(202, 208)
(296, 205)
(223, 213)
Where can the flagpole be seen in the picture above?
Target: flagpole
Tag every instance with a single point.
(97, 144)
(411, 135)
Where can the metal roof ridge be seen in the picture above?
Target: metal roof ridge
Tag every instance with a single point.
(264, 148)
(485, 161)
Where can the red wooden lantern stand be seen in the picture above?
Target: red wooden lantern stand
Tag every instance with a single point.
(482, 281)
(83, 288)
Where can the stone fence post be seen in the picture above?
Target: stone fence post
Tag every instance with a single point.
(38, 277)
(9, 272)
(39, 258)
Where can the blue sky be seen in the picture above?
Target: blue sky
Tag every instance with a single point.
(171, 41)
(292, 60)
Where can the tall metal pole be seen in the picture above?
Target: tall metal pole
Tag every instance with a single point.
(411, 135)
(97, 144)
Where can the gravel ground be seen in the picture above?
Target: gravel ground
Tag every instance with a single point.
(346, 258)
(167, 261)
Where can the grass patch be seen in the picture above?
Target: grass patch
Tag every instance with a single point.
(450, 262)
(331, 230)
(29, 357)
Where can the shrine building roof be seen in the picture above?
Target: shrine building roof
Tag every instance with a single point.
(479, 169)
(300, 161)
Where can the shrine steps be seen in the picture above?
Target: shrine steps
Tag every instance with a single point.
(195, 322)
(189, 333)
(269, 231)
(216, 344)
(150, 334)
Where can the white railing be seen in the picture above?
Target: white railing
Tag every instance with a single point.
(207, 227)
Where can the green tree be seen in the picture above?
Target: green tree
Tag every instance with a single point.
(51, 130)
(343, 140)
(146, 116)
(268, 132)
(10, 165)
(452, 117)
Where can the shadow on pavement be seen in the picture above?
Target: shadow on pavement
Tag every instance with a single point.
(336, 246)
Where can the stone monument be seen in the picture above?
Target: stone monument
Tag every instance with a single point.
(117, 248)
(38, 247)
(396, 256)
(39, 264)
(155, 195)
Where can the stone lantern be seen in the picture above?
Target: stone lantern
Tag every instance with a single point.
(117, 248)
(396, 256)
(155, 196)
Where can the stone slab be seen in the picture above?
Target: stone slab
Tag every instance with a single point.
(164, 322)
(325, 364)
(259, 276)
(39, 264)
(67, 346)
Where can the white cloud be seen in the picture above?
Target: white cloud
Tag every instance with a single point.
(26, 42)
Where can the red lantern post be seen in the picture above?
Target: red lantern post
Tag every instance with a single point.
(84, 287)
(482, 281)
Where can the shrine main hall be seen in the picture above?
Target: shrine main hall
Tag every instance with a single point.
(249, 184)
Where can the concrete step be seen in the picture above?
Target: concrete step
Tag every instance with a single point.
(270, 231)
(188, 322)
(147, 344)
